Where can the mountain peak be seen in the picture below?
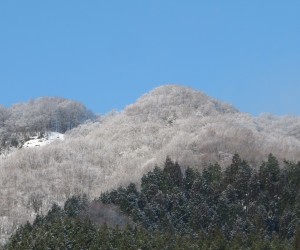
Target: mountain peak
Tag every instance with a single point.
(178, 101)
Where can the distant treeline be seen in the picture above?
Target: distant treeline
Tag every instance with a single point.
(40, 115)
(238, 208)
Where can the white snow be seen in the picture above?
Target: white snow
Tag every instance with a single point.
(35, 141)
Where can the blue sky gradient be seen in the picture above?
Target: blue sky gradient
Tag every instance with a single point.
(106, 54)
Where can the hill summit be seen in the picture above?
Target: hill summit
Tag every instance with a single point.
(174, 101)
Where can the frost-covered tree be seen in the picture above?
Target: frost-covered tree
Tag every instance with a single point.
(38, 116)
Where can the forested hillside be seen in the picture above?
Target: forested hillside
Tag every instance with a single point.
(237, 208)
(193, 129)
(39, 116)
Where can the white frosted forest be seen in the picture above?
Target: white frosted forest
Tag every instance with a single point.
(100, 153)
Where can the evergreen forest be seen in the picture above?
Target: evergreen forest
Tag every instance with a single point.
(177, 207)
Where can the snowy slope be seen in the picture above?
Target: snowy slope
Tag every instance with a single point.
(34, 142)
(50, 137)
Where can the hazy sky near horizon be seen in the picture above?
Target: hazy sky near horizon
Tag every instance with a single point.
(106, 54)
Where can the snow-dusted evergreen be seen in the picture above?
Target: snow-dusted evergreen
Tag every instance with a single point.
(183, 123)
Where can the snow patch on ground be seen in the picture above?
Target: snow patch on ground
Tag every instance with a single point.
(36, 141)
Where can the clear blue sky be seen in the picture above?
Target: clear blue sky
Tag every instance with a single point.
(106, 54)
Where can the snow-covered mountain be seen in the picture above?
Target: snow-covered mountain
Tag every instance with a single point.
(173, 101)
(185, 124)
